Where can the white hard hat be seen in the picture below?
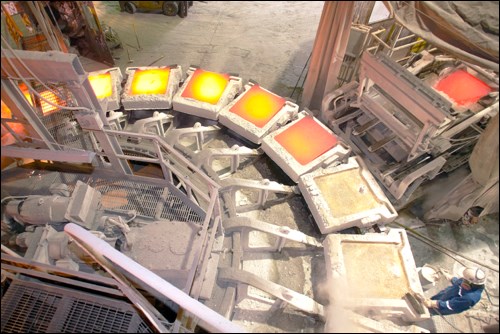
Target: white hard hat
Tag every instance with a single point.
(473, 275)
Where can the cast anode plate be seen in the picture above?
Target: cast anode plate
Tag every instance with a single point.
(373, 272)
(256, 112)
(151, 87)
(106, 85)
(345, 196)
(303, 145)
(205, 93)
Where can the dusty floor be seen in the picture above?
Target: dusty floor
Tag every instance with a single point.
(478, 242)
(270, 42)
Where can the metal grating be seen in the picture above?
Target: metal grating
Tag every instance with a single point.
(125, 195)
(62, 98)
(143, 328)
(145, 199)
(89, 317)
(61, 123)
(29, 306)
(27, 310)
(65, 129)
(175, 209)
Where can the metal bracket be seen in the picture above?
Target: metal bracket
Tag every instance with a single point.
(289, 296)
(235, 154)
(429, 170)
(199, 136)
(245, 225)
(263, 188)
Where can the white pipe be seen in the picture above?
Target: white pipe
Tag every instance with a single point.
(215, 321)
(9, 251)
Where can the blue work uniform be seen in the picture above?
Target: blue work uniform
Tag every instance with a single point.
(454, 299)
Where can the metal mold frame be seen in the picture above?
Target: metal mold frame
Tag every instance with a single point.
(390, 307)
(288, 163)
(249, 130)
(112, 102)
(205, 109)
(327, 220)
(151, 101)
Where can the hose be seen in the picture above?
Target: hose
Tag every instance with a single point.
(433, 244)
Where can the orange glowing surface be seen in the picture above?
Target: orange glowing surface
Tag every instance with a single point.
(102, 85)
(26, 93)
(463, 88)
(258, 106)
(206, 86)
(16, 127)
(46, 107)
(306, 140)
(149, 82)
(6, 113)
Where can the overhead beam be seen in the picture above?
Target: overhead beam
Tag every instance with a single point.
(42, 154)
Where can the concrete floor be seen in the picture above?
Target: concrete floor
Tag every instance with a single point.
(478, 242)
(270, 42)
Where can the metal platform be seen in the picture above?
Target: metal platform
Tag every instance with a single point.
(45, 308)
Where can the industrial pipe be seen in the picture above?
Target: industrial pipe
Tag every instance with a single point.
(213, 320)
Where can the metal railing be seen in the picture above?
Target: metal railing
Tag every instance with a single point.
(198, 186)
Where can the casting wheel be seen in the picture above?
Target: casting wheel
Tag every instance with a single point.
(130, 7)
(183, 9)
(170, 8)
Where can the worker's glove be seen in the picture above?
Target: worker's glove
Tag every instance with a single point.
(429, 303)
(420, 297)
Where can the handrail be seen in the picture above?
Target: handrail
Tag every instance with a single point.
(213, 320)
(213, 213)
(170, 150)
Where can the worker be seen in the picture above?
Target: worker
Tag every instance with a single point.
(465, 292)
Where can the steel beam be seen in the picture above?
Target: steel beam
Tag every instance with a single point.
(41, 154)
(50, 66)
(296, 299)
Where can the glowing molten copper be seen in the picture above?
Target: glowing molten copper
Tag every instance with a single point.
(258, 106)
(206, 86)
(463, 88)
(306, 140)
(149, 82)
(102, 85)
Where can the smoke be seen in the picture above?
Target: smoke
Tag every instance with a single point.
(339, 318)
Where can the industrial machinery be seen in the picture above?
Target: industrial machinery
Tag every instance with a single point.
(411, 124)
(153, 191)
(193, 191)
(159, 199)
(169, 8)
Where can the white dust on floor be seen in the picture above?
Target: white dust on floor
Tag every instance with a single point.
(268, 42)
(479, 242)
